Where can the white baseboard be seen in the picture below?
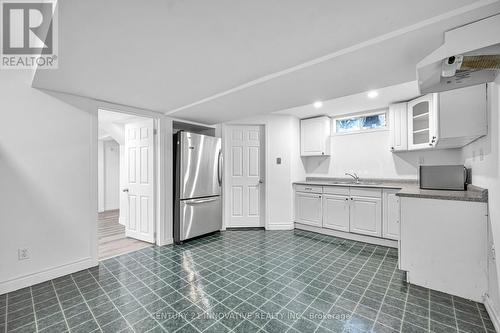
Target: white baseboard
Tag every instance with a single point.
(348, 235)
(280, 226)
(492, 312)
(46, 275)
(167, 241)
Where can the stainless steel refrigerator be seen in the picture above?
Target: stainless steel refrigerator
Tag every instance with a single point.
(197, 185)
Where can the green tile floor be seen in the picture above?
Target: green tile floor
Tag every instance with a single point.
(243, 281)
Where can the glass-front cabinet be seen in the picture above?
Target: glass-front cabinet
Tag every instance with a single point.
(422, 122)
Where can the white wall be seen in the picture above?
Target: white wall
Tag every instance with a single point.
(45, 193)
(369, 156)
(484, 158)
(48, 173)
(281, 141)
(109, 175)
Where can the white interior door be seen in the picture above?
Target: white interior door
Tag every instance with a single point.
(139, 164)
(245, 152)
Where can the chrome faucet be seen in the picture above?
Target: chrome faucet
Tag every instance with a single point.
(354, 176)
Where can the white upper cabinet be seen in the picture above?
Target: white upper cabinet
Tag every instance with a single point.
(398, 125)
(315, 136)
(449, 119)
(423, 122)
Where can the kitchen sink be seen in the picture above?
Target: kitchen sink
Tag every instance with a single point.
(350, 182)
(342, 182)
(369, 183)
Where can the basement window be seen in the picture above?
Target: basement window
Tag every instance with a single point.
(360, 123)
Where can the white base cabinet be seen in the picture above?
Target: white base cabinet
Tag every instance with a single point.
(336, 212)
(366, 216)
(443, 245)
(308, 208)
(354, 210)
(390, 214)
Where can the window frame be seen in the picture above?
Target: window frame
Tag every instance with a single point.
(361, 115)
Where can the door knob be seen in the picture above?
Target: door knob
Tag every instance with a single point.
(261, 181)
(125, 190)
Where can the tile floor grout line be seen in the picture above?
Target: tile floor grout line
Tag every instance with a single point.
(33, 305)
(6, 311)
(482, 320)
(373, 277)
(429, 311)
(60, 305)
(136, 299)
(109, 298)
(455, 313)
(263, 286)
(295, 279)
(232, 294)
(385, 295)
(327, 284)
(342, 270)
(300, 265)
(406, 302)
(88, 307)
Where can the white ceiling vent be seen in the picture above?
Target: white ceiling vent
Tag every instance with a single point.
(470, 55)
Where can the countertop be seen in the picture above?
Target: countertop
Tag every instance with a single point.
(408, 188)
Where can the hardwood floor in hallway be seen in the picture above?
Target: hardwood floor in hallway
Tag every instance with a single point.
(112, 239)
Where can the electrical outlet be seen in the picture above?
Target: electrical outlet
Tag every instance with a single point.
(481, 154)
(23, 254)
(473, 156)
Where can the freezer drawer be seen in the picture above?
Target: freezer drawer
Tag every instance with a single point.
(198, 217)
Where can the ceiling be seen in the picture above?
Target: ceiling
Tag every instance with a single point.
(219, 60)
(112, 124)
(358, 102)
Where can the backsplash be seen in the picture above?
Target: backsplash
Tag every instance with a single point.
(369, 156)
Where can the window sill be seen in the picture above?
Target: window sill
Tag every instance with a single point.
(383, 129)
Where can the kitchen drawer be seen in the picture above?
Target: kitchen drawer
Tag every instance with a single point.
(339, 190)
(366, 192)
(309, 188)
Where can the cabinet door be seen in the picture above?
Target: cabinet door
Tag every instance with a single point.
(336, 212)
(422, 122)
(308, 208)
(398, 124)
(390, 215)
(366, 216)
(315, 136)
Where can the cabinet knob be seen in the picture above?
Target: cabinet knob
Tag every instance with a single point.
(346, 199)
(392, 148)
(352, 199)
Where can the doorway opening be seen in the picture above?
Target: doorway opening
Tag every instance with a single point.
(126, 183)
(245, 175)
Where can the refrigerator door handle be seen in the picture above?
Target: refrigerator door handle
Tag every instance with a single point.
(219, 168)
(199, 201)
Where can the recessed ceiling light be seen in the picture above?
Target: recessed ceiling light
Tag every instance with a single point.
(318, 104)
(372, 94)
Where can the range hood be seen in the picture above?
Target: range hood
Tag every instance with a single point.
(469, 56)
